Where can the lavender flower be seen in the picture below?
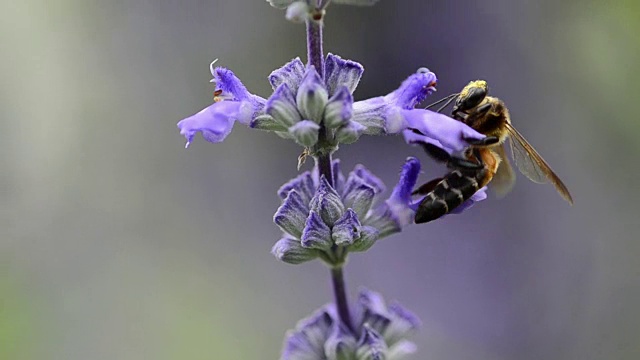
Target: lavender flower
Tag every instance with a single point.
(325, 221)
(380, 332)
(303, 101)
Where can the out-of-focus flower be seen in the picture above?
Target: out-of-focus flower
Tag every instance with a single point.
(318, 4)
(380, 332)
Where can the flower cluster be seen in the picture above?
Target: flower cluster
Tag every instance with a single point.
(302, 102)
(380, 333)
(327, 221)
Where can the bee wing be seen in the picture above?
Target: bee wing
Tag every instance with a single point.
(532, 165)
(505, 177)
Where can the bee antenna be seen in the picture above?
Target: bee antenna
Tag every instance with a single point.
(211, 68)
(449, 98)
(445, 104)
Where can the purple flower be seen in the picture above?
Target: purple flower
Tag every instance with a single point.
(232, 102)
(317, 216)
(380, 333)
(395, 113)
(301, 101)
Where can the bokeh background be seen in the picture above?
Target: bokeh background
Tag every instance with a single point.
(117, 243)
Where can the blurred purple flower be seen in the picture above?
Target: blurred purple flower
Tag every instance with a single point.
(380, 333)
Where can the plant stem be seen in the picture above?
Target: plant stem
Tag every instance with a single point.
(315, 57)
(340, 294)
(315, 53)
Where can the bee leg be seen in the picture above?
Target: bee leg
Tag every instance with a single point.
(459, 115)
(489, 140)
(483, 109)
(452, 161)
(459, 163)
(435, 152)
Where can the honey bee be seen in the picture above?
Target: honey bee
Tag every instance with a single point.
(485, 161)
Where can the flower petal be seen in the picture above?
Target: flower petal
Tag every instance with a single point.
(312, 96)
(231, 86)
(327, 202)
(214, 122)
(403, 323)
(383, 220)
(370, 302)
(370, 179)
(290, 250)
(290, 73)
(291, 216)
(346, 229)
(308, 340)
(341, 344)
(316, 233)
(400, 200)
(368, 236)
(411, 137)
(340, 72)
(383, 114)
(413, 90)
(267, 123)
(371, 346)
(401, 350)
(372, 114)
(303, 184)
(282, 106)
(445, 130)
(339, 109)
(338, 177)
(358, 195)
(305, 132)
(350, 132)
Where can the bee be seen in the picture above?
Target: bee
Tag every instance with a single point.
(469, 174)
(485, 161)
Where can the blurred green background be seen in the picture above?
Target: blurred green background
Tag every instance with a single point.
(116, 243)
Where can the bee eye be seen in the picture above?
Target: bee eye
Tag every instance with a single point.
(423, 70)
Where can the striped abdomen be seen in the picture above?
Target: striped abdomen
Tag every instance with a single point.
(449, 193)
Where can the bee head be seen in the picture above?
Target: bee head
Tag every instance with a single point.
(471, 95)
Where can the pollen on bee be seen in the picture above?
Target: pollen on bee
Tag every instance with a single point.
(216, 95)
